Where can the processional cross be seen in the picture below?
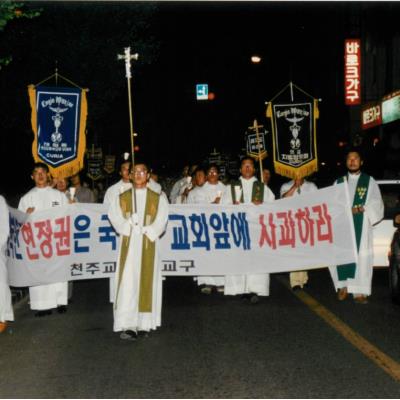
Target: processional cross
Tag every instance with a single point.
(255, 128)
(127, 56)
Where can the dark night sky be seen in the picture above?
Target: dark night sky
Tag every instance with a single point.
(181, 44)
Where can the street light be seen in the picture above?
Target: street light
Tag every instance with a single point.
(255, 59)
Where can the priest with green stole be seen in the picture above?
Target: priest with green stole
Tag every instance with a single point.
(367, 209)
(247, 190)
(140, 216)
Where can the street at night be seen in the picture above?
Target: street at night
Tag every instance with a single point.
(210, 346)
(245, 144)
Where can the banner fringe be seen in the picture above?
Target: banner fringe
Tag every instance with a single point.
(296, 172)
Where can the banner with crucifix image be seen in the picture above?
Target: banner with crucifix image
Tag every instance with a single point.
(293, 115)
(58, 122)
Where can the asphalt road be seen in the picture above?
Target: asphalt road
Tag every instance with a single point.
(210, 346)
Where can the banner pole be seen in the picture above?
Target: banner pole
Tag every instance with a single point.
(128, 57)
(259, 151)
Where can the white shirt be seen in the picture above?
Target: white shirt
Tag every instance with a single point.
(206, 193)
(306, 187)
(42, 199)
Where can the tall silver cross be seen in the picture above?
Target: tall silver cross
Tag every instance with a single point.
(127, 56)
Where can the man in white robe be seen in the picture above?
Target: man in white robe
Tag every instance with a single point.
(6, 311)
(248, 190)
(122, 185)
(297, 187)
(367, 210)
(210, 192)
(44, 298)
(180, 184)
(140, 216)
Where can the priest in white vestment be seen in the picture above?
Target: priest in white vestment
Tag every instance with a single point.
(209, 193)
(6, 310)
(367, 210)
(43, 298)
(140, 216)
(248, 190)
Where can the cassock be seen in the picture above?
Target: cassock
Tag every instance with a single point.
(207, 194)
(251, 283)
(111, 194)
(6, 311)
(45, 297)
(128, 314)
(362, 281)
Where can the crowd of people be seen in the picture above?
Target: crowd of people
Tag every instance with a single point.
(138, 210)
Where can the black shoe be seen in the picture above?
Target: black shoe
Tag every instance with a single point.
(62, 309)
(43, 313)
(143, 334)
(296, 288)
(245, 296)
(128, 335)
(254, 299)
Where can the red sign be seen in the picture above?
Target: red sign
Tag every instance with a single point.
(371, 115)
(352, 72)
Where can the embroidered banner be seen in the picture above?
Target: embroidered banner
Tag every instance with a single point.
(58, 122)
(78, 242)
(293, 116)
(95, 163)
(255, 141)
(109, 163)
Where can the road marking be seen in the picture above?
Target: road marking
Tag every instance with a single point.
(383, 361)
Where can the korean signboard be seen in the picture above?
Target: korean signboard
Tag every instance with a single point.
(371, 115)
(352, 72)
(391, 107)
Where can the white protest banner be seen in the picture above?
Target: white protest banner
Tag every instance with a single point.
(78, 242)
(309, 231)
(72, 242)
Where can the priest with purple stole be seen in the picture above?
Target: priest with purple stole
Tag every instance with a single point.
(140, 216)
(367, 209)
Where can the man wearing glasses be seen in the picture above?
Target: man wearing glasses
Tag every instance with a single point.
(140, 216)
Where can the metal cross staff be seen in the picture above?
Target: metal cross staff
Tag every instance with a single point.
(127, 56)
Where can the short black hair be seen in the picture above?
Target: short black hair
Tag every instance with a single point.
(198, 169)
(354, 149)
(247, 158)
(141, 162)
(123, 161)
(41, 165)
(212, 165)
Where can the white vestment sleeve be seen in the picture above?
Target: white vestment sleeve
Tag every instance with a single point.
(157, 228)
(5, 222)
(22, 205)
(121, 225)
(268, 195)
(374, 205)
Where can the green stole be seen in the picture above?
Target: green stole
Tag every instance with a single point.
(148, 249)
(346, 271)
(257, 193)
